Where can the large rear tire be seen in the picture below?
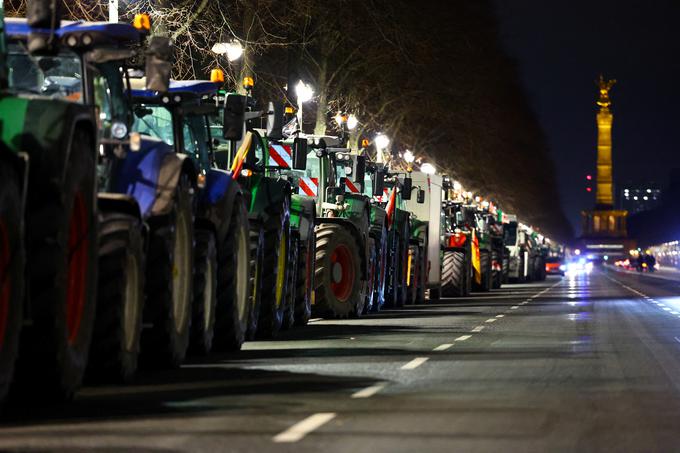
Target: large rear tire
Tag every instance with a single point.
(338, 273)
(274, 275)
(235, 281)
(485, 266)
(169, 276)
(256, 258)
(455, 274)
(381, 274)
(12, 262)
(291, 286)
(62, 257)
(204, 301)
(115, 348)
(305, 279)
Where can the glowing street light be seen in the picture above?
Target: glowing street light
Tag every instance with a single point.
(233, 49)
(304, 94)
(457, 186)
(352, 122)
(428, 169)
(381, 141)
(409, 157)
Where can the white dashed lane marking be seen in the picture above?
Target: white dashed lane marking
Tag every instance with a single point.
(490, 320)
(478, 329)
(368, 391)
(443, 347)
(415, 363)
(304, 427)
(500, 316)
(463, 338)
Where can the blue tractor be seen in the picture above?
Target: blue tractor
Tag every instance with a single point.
(222, 306)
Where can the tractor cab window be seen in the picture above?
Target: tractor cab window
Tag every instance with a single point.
(155, 121)
(313, 165)
(196, 130)
(58, 76)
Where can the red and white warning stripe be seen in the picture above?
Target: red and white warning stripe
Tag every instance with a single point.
(351, 187)
(280, 156)
(384, 197)
(308, 186)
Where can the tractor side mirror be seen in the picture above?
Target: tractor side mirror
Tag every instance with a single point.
(275, 114)
(233, 120)
(459, 218)
(359, 169)
(378, 183)
(406, 188)
(159, 56)
(421, 196)
(45, 15)
(300, 154)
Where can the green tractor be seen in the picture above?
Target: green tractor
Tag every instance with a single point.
(418, 248)
(272, 211)
(483, 233)
(48, 178)
(458, 249)
(345, 268)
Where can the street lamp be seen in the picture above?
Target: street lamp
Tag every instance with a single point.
(381, 143)
(233, 49)
(304, 94)
(409, 158)
(352, 122)
(457, 186)
(428, 169)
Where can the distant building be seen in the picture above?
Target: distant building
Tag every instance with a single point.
(636, 198)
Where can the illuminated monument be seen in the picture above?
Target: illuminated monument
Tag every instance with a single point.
(604, 228)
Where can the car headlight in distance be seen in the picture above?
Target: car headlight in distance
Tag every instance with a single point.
(563, 267)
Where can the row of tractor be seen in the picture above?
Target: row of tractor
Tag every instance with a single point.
(143, 219)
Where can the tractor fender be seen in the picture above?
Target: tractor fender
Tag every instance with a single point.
(19, 162)
(151, 175)
(354, 230)
(216, 201)
(267, 198)
(305, 209)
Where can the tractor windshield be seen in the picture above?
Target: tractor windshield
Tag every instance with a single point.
(155, 121)
(58, 76)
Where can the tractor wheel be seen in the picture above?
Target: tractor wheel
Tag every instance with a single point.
(371, 281)
(455, 274)
(505, 268)
(291, 286)
(120, 305)
(402, 269)
(421, 281)
(497, 271)
(235, 272)
(204, 301)
(413, 261)
(338, 273)
(274, 275)
(12, 262)
(485, 266)
(381, 273)
(169, 276)
(305, 280)
(63, 248)
(256, 242)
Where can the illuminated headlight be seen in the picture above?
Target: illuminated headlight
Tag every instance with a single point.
(87, 39)
(165, 99)
(348, 170)
(177, 98)
(563, 267)
(72, 41)
(118, 130)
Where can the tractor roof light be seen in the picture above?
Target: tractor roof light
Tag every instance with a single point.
(340, 118)
(142, 21)
(217, 76)
(289, 110)
(248, 83)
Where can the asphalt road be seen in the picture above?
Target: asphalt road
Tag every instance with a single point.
(572, 364)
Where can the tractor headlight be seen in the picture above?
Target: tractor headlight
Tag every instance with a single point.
(118, 130)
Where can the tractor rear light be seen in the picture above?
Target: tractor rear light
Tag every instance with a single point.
(246, 173)
(457, 240)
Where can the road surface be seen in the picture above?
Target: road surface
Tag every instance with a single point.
(590, 363)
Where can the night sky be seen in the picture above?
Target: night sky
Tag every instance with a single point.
(562, 46)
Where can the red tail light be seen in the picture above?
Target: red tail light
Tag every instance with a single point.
(457, 240)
